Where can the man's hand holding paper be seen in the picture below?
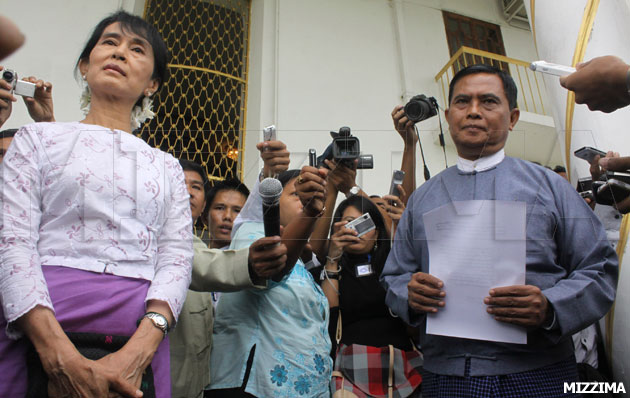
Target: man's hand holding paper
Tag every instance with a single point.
(522, 305)
(425, 293)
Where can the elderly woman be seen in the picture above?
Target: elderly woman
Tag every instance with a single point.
(96, 235)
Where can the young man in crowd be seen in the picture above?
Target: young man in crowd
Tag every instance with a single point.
(224, 202)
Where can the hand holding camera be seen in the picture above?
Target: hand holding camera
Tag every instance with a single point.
(311, 188)
(403, 125)
(40, 105)
(18, 87)
(275, 157)
(394, 205)
(341, 237)
(341, 177)
(6, 100)
(610, 178)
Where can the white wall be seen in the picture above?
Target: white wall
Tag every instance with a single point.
(314, 65)
(56, 32)
(337, 63)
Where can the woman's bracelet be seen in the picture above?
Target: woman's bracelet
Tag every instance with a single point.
(334, 259)
(333, 271)
(321, 213)
(326, 274)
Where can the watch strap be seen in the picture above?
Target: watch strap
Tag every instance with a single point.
(353, 191)
(325, 274)
(158, 320)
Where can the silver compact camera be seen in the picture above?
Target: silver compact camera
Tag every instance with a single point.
(19, 87)
(397, 179)
(362, 224)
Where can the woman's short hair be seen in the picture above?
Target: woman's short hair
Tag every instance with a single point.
(137, 25)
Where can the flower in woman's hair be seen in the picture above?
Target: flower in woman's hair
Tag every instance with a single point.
(279, 375)
(140, 115)
(84, 101)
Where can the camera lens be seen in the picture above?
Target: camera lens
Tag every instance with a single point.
(417, 110)
(420, 108)
(7, 75)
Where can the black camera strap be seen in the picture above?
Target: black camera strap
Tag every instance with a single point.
(442, 142)
(427, 174)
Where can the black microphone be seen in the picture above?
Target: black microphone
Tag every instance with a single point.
(270, 190)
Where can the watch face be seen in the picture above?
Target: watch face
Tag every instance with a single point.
(159, 321)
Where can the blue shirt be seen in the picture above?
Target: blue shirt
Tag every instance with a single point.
(567, 256)
(288, 324)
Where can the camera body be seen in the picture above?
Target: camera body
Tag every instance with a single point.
(397, 179)
(19, 87)
(362, 224)
(420, 107)
(345, 148)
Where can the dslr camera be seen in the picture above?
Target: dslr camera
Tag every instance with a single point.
(19, 87)
(345, 148)
(420, 107)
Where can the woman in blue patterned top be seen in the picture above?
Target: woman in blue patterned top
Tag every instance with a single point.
(274, 342)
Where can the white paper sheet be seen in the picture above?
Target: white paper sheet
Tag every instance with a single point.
(475, 246)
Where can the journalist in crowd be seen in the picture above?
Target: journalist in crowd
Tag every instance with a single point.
(213, 270)
(571, 269)
(274, 341)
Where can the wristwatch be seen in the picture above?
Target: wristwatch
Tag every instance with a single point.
(159, 321)
(353, 191)
(328, 275)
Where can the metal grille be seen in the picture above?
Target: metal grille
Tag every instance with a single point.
(200, 110)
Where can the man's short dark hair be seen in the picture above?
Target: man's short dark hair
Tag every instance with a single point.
(8, 133)
(559, 169)
(508, 83)
(189, 165)
(230, 184)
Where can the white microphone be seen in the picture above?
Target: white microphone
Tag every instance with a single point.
(551, 69)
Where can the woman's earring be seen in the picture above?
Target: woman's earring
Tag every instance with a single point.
(84, 77)
(375, 245)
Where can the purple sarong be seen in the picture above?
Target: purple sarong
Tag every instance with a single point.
(86, 302)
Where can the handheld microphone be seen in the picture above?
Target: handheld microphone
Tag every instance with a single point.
(270, 190)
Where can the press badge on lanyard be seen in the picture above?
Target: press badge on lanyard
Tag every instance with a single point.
(364, 269)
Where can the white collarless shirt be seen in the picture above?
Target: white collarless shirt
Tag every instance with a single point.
(482, 164)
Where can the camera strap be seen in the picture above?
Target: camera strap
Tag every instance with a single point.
(427, 174)
(442, 142)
